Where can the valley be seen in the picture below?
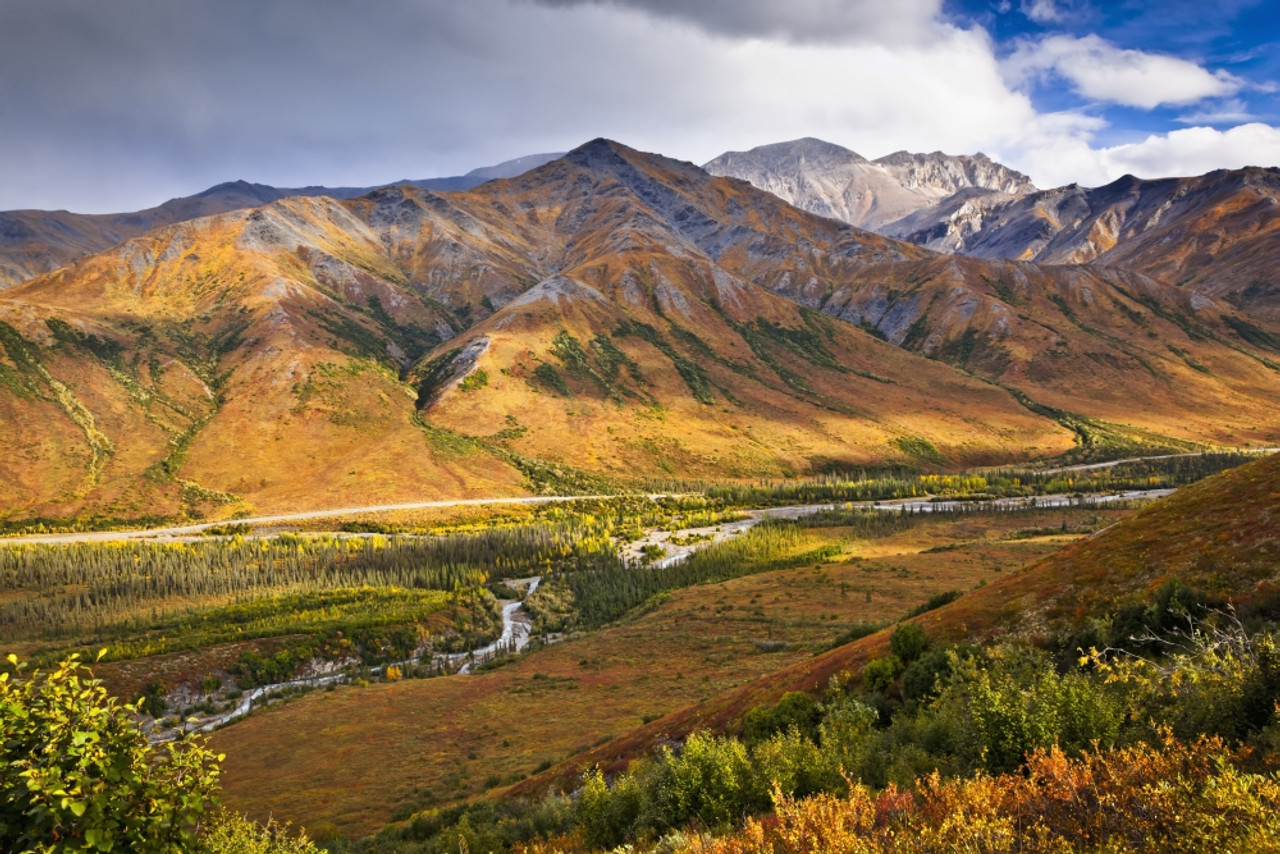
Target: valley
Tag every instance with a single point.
(582, 500)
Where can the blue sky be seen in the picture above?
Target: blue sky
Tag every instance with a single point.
(1238, 40)
(121, 105)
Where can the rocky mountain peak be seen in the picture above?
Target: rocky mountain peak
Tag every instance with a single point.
(806, 153)
(947, 174)
(833, 181)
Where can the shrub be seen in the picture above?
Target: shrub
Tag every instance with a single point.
(908, 642)
(234, 834)
(1149, 799)
(796, 710)
(711, 780)
(77, 774)
(921, 680)
(880, 673)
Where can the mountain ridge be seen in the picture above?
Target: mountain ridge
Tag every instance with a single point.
(673, 323)
(831, 180)
(33, 242)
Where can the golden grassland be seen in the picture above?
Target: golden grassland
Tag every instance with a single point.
(347, 760)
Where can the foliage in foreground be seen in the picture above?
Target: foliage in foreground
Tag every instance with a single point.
(229, 833)
(1171, 797)
(931, 727)
(76, 773)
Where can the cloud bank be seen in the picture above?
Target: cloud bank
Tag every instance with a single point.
(1100, 70)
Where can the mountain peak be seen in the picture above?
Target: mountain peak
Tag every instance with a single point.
(804, 150)
(239, 187)
(833, 181)
(598, 147)
(514, 167)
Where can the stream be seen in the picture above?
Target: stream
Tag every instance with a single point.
(516, 626)
(516, 630)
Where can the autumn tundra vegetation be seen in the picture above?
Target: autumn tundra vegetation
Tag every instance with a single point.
(1005, 653)
(1148, 725)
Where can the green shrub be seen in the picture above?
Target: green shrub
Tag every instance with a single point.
(76, 773)
(880, 673)
(711, 780)
(908, 642)
(234, 834)
(920, 679)
(796, 710)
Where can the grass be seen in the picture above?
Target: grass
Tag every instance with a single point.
(319, 762)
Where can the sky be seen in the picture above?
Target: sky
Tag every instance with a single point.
(115, 106)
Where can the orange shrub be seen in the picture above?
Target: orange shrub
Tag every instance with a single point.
(1172, 797)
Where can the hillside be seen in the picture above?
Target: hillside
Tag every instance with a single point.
(1211, 234)
(647, 303)
(1095, 344)
(253, 358)
(205, 369)
(33, 242)
(1221, 535)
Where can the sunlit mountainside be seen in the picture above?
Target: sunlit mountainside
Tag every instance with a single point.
(404, 343)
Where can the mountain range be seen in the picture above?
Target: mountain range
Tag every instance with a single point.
(832, 181)
(34, 242)
(1215, 233)
(612, 317)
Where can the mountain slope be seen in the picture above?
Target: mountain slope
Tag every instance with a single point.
(278, 357)
(610, 311)
(33, 242)
(223, 364)
(672, 360)
(832, 181)
(1103, 344)
(1097, 342)
(1216, 234)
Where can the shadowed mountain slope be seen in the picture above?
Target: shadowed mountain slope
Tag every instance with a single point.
(1098, 342)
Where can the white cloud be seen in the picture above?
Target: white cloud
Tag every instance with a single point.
(1068, 157)
(1102, 71)
(1194, 151)
(1232, 111)
(151, 102)
(1041, 11)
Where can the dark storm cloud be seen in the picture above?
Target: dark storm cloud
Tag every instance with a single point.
(143, 99)
(816, 21)
(119, 105)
